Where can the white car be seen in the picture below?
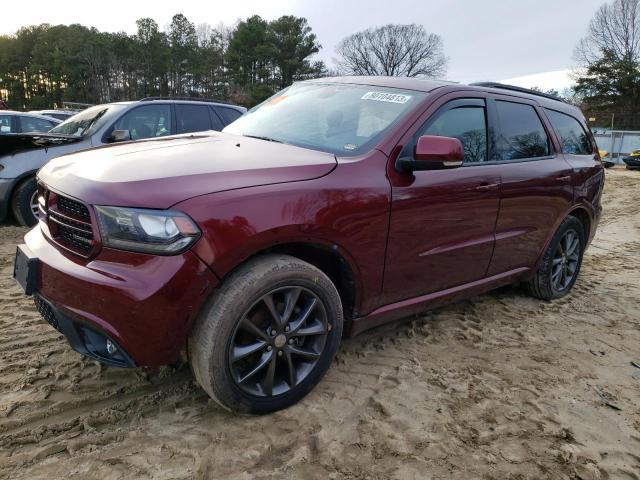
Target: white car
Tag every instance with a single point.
(25, 122)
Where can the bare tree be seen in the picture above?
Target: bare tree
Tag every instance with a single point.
(615, 30)
(393, 50)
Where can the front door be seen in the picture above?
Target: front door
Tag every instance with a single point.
(441, 231)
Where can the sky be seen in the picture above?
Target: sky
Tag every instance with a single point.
(493, 40)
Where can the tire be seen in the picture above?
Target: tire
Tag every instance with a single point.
(21, 205)
(237, 319)
(546, 283)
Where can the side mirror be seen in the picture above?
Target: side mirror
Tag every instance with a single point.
(432, 153)
(120, 136)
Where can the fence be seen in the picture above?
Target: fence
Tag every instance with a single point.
(618, 142)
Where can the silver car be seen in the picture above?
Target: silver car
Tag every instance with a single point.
(22, 156)
(23, 122)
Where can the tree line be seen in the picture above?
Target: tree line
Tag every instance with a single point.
(608, 78)
(44, 65)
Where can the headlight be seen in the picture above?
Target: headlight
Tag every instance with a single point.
(160, 232)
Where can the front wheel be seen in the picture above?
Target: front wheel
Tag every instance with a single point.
(25, 203)
(267, 336)
(561, 262)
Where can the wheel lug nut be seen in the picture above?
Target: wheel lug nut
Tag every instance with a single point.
(291, 341)
(286, 329)
(280, 353)
(273, 331)
(269, 348)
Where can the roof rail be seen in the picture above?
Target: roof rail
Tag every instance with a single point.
(190, 99)
(513, 88)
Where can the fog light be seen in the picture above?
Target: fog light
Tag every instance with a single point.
(111, 348)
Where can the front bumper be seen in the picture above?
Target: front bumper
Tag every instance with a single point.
(82, 338)
(144, 304)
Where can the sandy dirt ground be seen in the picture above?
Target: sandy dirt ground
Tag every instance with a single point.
(498, 387)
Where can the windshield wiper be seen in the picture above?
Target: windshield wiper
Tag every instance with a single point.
(268, 139)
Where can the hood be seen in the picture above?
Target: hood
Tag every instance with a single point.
(12, 143)
(162, 172)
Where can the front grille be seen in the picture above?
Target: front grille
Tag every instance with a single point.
(69, 223)
(47, 312)
(73, 208)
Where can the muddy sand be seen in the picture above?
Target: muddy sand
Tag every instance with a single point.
(502, 386)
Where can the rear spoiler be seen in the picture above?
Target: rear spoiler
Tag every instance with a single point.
(12, 143)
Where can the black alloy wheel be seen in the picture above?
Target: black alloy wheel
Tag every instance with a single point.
(565, 260)
(278, 342)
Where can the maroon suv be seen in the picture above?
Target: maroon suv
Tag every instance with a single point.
(334, 206)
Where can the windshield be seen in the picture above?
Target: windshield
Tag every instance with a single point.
(338, 118)
(81, 123)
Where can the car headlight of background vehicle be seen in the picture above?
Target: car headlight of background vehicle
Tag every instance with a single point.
(160, 232)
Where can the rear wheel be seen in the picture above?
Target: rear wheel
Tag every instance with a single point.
(267, 336)
(561, 262)
(25, 203)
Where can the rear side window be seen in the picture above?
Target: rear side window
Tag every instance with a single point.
(574, 138)
(468, 125)
(192, 118)
(521, 132)
(228, 114)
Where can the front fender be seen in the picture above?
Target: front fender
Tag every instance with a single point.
(350, 219)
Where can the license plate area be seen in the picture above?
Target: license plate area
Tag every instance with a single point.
(25, 269)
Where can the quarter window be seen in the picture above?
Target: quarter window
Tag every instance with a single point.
(229, 115)
(521, 132)
(574, 138)
(466, 123)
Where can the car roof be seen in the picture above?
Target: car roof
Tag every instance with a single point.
(42, 112)
(28, 114)
(429, 85)
(408, 83)
(195, 101)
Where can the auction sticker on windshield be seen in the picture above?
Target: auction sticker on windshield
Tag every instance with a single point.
(386, 97)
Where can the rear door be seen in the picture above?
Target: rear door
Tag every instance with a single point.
(536, 183)
(579, 150)
(441, 231)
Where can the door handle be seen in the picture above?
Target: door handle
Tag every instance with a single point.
(487, 187)
(564, 179)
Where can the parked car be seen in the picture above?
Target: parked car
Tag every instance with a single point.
(333, 207)
(25, 122)
(57, 114)
(99, 125)
(632, 160)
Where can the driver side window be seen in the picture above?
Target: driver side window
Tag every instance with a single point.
(467, 123)
(146, 122)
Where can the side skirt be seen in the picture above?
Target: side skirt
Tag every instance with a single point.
(412, 306)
